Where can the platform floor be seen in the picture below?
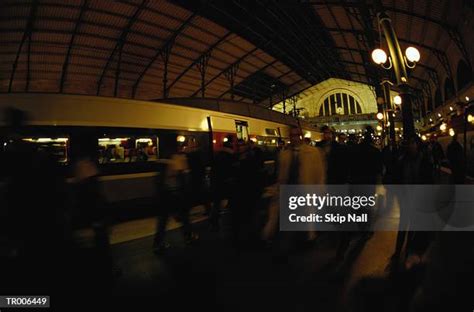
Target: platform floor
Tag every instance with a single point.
(211, 274)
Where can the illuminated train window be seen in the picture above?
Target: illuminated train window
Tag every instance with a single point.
(271, 132)
(56, 147)
(242, 131)
(127, 149)
(340, 104)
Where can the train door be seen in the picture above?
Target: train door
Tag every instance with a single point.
(242, 130)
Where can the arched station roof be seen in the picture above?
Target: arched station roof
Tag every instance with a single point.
(253, 51)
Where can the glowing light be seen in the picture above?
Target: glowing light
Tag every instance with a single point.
(379, 128)
(225, 140)
(451, 108)
(412, 54)
(273, 141)
(307, 135)
(423, 137)
(431, 120)
(379, 116)
(470, 118)
(439, 115)
(451, 132)
(388, 123)
(467, 99)
(145, 140)
(397, 99)
(253, 139)
(181, 138)
(214, 141)
(379, 56)
(443, 127)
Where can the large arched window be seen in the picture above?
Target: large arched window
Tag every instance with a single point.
(448, 89)
(464, 74)
(341, 104)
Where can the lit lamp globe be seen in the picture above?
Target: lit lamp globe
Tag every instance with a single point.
(443, 127)
(379, 116)
(397, 100)
(379, 56)
(412, 54)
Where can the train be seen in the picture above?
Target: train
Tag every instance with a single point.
(133, 137)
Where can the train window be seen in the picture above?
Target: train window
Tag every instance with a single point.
(127, 149)
(242, 130)
(271, 132)
(57, 147)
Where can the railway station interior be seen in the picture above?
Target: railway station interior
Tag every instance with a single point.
(149, 150)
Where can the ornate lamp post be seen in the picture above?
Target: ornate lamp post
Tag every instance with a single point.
(399, 62)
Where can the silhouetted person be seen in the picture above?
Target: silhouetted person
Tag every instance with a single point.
(244, 202)
(342, 138)
(91, 207)
(457, 161)
(34, 209)
(414, 167)
(175, 198)
(367, 161)
(336, 158)
(437, 153)
(197, 173)
(298, 164)
(222, 179)
(390, 154)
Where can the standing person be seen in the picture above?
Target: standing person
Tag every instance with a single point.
(33, 209)
(414, 167)
(437, 154)
(175, 190)
(244, 204)
(457, 161)
(197, 171)
(222, 179)
(390, 154)
(367, 164)
(342, 138)
(298, 164)
(365, 171)
(335, 155)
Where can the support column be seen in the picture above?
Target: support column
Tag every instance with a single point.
(230, 74)
(407, 112)
(165, 55)
(202, 67)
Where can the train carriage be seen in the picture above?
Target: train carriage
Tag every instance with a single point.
(130, 138)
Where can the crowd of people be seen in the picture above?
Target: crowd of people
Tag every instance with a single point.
(37, 218)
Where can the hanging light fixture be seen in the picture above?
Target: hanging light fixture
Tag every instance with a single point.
(397, 99)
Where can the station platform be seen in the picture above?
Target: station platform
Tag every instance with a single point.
(211, 274)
